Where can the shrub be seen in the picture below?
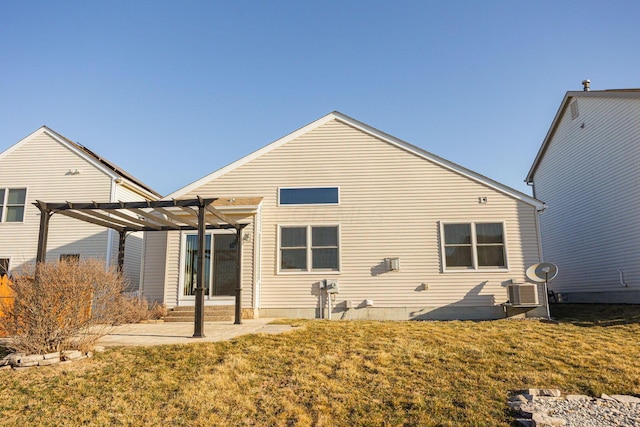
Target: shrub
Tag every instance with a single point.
(136, 309)
(70, 306)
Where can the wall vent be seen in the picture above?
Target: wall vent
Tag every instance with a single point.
(574, 110)
(523, 294)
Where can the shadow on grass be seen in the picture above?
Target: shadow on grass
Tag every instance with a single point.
(596, 314)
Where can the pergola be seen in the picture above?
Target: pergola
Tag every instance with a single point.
(199, 214)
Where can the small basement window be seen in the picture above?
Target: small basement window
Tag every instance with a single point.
(308, 196)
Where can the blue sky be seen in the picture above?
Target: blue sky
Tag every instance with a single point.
(172, 91)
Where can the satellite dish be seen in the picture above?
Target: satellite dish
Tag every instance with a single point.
(542, 272)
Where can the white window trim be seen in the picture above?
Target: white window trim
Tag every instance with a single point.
(183, 243)
(309, 251)
(474, 248)
(3, 204)
(309, 187)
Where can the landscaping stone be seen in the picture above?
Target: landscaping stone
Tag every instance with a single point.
(577, 397)
(99, 349)
(24, 361)
(48, 362)
(625, 399)
(540, 419)
(20, 360)
(55, 355)
(575, 410)
(71, 355)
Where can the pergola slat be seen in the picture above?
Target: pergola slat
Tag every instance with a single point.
(178, 218)
(155, 218)
(86, 218)
(134, 219)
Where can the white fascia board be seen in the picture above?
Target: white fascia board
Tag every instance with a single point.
(371, 131)
(441, 162)
(272, 146)
(548, 136)
(628, 94)
(18, 144)
(53, 134)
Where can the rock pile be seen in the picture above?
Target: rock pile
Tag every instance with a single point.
(21, 360)
(548, 408)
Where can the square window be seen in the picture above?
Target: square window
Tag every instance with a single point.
(474, 246)
(309, 248)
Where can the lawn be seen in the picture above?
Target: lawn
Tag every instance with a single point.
(343, 373)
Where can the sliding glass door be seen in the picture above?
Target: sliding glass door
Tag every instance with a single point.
(219, 267)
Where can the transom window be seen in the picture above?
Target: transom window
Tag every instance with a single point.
(309, 248)
(474, 245)
(309, 196)
(12, 202)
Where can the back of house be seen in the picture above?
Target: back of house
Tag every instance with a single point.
(47, 166)
(586, 171)
(345, 221)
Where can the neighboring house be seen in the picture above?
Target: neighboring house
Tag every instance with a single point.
(587, 172)
(399, 232)
(47, 166)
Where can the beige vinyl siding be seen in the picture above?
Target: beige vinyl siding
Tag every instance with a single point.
(154, 267)
(41, 164)
(173, 268)
(589, 179)
(391, 204)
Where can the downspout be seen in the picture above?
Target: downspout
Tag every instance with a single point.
(112, 199)
(541, 256)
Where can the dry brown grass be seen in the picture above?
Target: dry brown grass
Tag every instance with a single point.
(332, 374)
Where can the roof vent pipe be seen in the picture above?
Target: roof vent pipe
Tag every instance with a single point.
(586, 85)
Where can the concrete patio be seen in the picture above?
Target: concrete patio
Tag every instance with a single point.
(181, 333)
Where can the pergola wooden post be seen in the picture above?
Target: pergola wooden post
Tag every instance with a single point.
(198, 327)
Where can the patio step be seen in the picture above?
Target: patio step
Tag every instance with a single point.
(212, 313)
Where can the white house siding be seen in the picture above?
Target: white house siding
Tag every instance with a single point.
(588, 177)
(42, 165)
(391, 205)
(133, 244)
(154, 267)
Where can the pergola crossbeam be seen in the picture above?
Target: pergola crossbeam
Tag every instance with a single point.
(90, 219)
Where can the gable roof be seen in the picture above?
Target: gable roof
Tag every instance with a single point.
(99, 162)
(568, 97)
(335, 115)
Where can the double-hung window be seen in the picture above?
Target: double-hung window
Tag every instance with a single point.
(474, 246)
(309, 248)
(12, 201)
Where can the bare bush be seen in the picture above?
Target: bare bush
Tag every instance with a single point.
(136, 309)
(70, 305)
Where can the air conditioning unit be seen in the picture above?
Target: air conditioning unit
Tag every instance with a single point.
(523, 294)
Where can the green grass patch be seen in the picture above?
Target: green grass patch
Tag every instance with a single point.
(356, 373)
